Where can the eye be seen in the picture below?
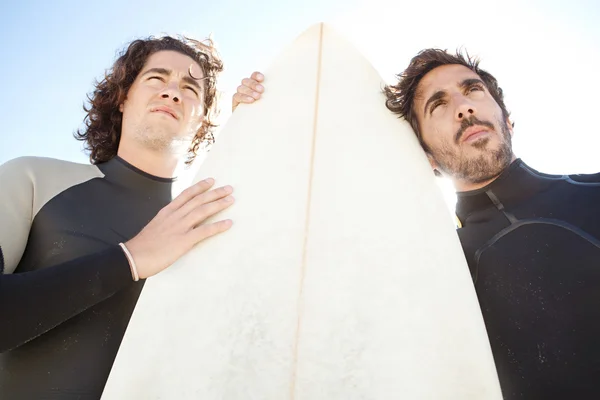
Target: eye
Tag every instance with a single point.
(160, 78)
(475, 87)
(436, 105)
(192, 89)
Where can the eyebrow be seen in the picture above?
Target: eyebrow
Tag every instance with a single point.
(440, 93)
(163, 71)
(470, 82)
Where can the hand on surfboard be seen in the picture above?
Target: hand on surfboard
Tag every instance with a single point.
(249, 91)
(179, 226)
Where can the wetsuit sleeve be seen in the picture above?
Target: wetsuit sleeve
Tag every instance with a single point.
(32, 303)
(16, 212)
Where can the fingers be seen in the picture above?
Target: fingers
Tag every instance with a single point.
(197, 216)
(244, 98)
(203, 198)
(205, 231)
(249, 91)
(189, 194)
(239, 98)
(253, 85)
(245, 90)
(257, 76)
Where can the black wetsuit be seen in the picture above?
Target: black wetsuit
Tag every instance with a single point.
(66, 292)
(533, 246)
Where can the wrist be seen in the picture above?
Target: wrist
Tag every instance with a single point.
(134, 271)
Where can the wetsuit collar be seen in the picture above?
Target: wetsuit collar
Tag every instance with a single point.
(120, 171)
(516, 184)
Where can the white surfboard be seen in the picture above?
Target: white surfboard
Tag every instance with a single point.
(342, 276)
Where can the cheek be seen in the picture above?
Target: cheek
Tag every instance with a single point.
(196, 112)
(442, 120)
(138, 97)
(436, 133)
(196, 116)
(491, 109)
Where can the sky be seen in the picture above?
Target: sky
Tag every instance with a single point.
(545, 54)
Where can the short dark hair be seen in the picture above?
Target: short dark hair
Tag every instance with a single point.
(400, 97)
(102, 132)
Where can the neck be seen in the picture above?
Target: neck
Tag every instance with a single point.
(466, 186)
(159, 164)
(462, 186)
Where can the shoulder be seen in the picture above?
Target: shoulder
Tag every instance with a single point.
(43, 165)
(42, 178)
(35, 168)
(586, 178)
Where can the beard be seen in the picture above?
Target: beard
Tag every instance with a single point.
(479, 168)
(159, 139)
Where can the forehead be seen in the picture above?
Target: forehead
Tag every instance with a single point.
(443, 78)
(175, 61)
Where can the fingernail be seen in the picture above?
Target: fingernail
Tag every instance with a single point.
(210, 181)
(260, 88)
(260, 76)
(250, 98)
(255, 94)
(229, 199)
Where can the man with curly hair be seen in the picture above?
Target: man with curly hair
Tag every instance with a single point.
(77, 241)
(532, 240)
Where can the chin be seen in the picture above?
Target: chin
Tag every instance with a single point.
(485, 144)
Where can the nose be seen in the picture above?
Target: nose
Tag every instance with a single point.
(171, 91)
(465, 109)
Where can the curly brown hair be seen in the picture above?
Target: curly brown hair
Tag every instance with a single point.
(102, 132)
(400, 97)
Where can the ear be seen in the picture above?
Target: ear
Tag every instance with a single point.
(121, 108)
(434, 165)
(509, 123)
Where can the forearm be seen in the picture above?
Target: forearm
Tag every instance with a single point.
(32, 303)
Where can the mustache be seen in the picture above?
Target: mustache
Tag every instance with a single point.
(467, 123)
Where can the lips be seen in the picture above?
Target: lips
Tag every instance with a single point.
(166, 110)
(473, 132)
